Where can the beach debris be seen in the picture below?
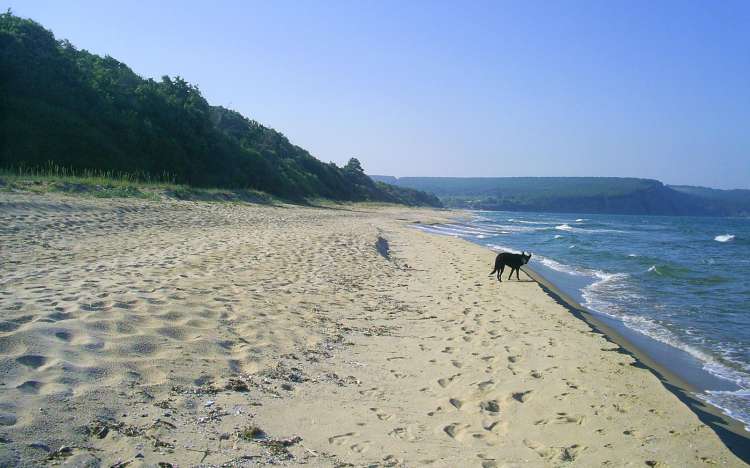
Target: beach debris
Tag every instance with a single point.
(215, 413)
(340, 381)
(283, 375)
(158, 443)
(209, 403)
(279, 447)
(163, 404)
(204, 389)
(98, 429)
(61, 453)
(237, 385)
(160, 423)
(251, 433)
(101, 427)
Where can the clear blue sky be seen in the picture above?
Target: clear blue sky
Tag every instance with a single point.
(604, 88)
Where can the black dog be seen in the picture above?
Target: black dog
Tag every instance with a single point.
(514, 261)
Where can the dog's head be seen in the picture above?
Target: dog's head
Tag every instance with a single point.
(525, 257)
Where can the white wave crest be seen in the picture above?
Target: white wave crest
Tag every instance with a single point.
(564, 227)
(502, 248)
(724, 238)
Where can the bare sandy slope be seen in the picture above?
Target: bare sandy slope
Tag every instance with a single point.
(195, 333)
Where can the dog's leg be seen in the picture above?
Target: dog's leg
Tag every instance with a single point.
(500, 272)
(511, 273)
(517, 278)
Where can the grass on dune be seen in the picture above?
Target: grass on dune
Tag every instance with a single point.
(114, 184)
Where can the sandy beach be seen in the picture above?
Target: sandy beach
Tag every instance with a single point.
(139, 333)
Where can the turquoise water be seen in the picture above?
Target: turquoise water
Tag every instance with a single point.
(683, 282)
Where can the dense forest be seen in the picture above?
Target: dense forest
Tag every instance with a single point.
(579, 195)
(81, 111)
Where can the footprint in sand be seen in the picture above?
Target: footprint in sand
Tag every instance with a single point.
(456, 403)
(372, 392)
(456, 431)
(444, 382)
(559, 454)
(32, 361)
(522, 397)
(341, 439)
(360, 447)
(381, 414)
(403, 433)
(487, 384)
(490, 425)
(30, 387)
(561, 418)
(490, 406)
(64, 335)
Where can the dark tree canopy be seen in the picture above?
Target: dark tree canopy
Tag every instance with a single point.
(82, 111)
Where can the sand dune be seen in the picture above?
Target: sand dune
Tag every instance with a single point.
(196, 333)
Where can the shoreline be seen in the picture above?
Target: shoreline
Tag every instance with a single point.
(200, 333)
(730, 430)
(733, 432)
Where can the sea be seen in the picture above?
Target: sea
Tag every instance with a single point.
(678, 287)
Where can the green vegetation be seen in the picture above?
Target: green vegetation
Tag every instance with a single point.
(105, 184)
(579, 194)
(735, 202)
(65, 107)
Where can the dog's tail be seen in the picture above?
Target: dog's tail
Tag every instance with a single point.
(493, 272)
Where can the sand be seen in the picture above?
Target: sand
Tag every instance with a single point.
(186, 333)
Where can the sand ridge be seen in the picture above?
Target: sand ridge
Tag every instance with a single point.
(142, 332)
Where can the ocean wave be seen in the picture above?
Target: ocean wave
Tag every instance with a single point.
(548, 223)
(669, 271)
(608, 296)
(580, 220)
(502, 248)
(457, 229)
(568, 228)
(735, 404)
(724, 238)
(563, 268)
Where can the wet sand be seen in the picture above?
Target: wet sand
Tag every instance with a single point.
(195, 333)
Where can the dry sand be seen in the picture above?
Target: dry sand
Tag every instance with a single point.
(188, 333)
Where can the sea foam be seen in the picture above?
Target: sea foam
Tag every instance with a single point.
(724, 238)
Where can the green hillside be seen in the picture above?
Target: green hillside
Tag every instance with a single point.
(736, 201)
(579, 194)
(85, 112)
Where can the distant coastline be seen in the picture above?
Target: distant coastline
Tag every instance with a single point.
(605, 195)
